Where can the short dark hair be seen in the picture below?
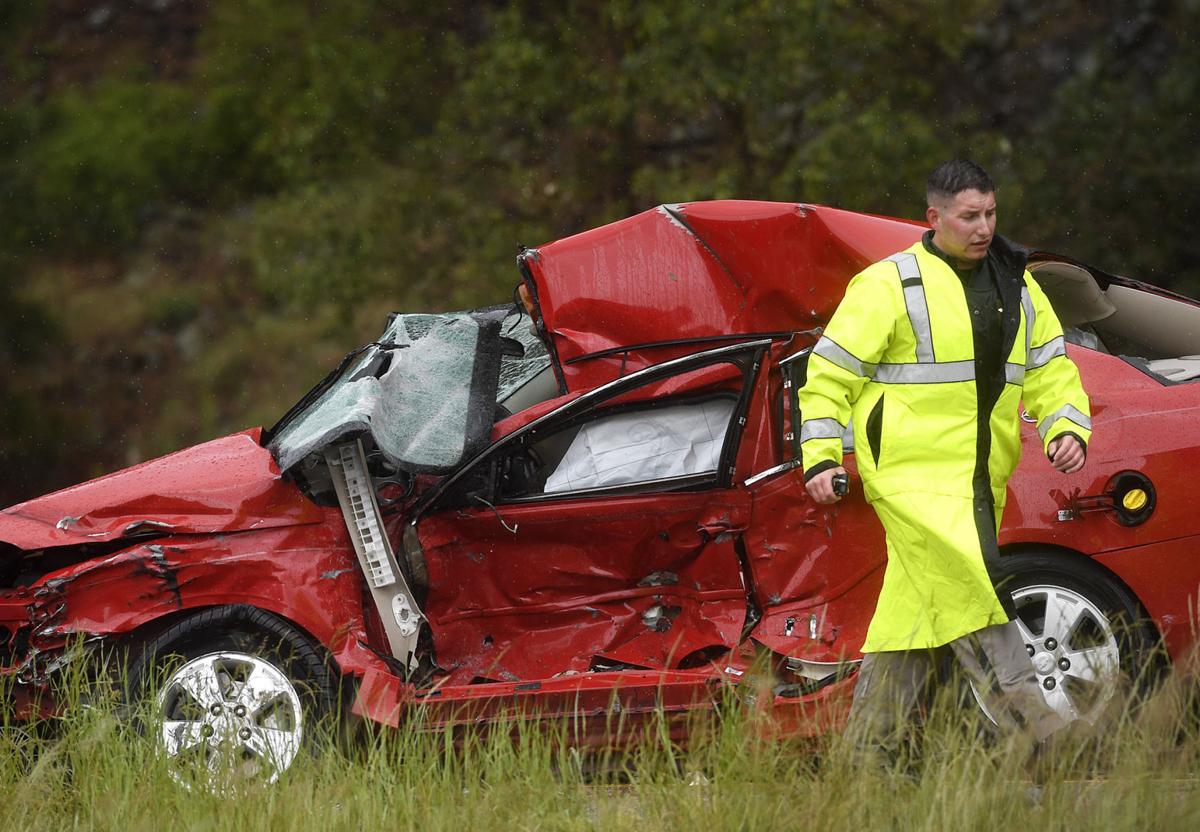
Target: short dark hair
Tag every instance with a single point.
(952, 178)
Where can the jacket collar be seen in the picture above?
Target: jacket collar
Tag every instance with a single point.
(1007, 261)
(1006, 258)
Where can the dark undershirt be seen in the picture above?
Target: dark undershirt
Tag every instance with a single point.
(983, 302)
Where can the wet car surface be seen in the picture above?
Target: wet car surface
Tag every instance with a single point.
(595, 507)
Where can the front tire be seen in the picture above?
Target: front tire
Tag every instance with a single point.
(232, 695)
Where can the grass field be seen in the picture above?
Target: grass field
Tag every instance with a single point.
(93, 770)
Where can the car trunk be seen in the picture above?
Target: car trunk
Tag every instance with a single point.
(705, 273)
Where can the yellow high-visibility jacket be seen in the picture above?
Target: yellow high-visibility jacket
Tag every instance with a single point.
(898, 359)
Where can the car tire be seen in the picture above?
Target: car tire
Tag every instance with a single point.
(231, 695)
(1088, 638)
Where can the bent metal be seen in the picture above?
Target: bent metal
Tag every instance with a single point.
(589, 504)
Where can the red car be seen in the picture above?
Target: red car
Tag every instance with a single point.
(595, 509)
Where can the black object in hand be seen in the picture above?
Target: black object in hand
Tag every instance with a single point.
(841, 484)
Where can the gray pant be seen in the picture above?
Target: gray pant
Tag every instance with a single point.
(890, 685)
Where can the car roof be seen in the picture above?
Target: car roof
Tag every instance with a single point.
(698, 271)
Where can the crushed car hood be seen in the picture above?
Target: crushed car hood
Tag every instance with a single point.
(228, 484)
(699, 271)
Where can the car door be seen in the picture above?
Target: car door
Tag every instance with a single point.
(816, 570)
(599, 536)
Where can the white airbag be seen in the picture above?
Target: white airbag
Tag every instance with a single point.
(644, 446)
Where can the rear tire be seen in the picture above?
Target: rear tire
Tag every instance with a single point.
(1087, 636)
(232, 695)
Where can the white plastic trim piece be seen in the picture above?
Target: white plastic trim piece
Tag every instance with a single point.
(772, 471)
(397, 606)
(406, 619)
(820, 671)
(368, 536)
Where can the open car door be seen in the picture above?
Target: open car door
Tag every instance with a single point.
(816, 570)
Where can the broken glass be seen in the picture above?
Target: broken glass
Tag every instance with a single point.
(425, 392)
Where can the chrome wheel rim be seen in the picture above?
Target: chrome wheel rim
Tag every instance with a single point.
(1073, 649)
(228, 719)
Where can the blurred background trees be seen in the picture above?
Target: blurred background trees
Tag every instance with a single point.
(203, 205)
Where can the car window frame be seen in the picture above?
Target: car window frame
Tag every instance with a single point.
(794, 370)
(684, 482)
(748, 356)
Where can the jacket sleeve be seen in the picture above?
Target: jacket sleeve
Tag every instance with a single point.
(1053, 393)
(843, 360)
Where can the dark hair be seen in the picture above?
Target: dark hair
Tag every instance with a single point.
(952, 178)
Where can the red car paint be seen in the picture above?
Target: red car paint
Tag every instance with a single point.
(615, 605)
(226, 485)
(696, 272)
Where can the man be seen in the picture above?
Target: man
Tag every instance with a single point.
(931, 353)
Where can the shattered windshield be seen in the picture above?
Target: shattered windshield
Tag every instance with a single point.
(425, 392)
(516, 371)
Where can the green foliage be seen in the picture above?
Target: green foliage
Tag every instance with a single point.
(17, 20)
(94, 770)
(890, 141)
(1114, 174)
(99, 162)
(203, 243)
(310, 89)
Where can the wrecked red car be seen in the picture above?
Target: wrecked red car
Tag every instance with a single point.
(595, 508)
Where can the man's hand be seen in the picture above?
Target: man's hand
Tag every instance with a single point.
(820, 487)
(1066, 454)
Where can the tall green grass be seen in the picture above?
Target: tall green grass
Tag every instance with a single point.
(92, 770)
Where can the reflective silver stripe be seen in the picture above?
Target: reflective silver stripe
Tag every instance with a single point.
(1027, 305)
(1067, 411)
(821, 429)
(914, 301)
(1040, 356)
(1014, 374)
(946, 371)
(835, 354)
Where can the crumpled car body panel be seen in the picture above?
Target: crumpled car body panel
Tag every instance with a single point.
(305, 574)
(615, 600)
(225, 485)
(812, 611)
(710, 269)
(634, 581)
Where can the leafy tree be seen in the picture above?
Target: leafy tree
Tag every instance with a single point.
(185, 252)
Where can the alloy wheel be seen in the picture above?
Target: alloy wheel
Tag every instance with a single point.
(229, 718)
(1075, 653)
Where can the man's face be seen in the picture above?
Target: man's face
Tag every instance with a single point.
(963, 227)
